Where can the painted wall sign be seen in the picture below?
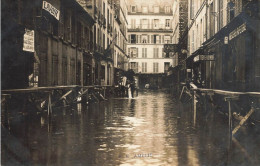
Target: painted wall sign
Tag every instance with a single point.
(28, 40)
(237, 31)
(51, 9)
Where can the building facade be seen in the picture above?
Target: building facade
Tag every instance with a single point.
(109, 34)
(45, 43)
(149, 28)
(120, 43)
(222, 44)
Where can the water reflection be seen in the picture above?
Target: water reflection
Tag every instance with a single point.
(152, 129)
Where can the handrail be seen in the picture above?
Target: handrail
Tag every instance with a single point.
(226, 93)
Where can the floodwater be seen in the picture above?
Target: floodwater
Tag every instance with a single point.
(151, 129)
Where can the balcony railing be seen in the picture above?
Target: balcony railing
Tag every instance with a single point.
(148, 27)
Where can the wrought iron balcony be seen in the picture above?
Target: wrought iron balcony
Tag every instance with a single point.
(149, 27)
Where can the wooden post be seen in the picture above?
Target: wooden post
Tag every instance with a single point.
(49, 105)
(194, 108)
(243, 121)
(229, 123)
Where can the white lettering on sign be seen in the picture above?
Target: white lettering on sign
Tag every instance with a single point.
(204, 58)
(28, 40)
(237, 31)
(51, 9)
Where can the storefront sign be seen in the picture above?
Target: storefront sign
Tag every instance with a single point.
(204, 58)
(237, 31)
(28, 40)
(51, 9)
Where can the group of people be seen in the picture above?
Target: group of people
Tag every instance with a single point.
(127, 87)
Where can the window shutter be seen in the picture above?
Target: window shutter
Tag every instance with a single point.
(128, 51)
(148, 38)
(162, 39)
(129, 38)
(162, 53)
(159, 38)
(136, 52)
(152, 26)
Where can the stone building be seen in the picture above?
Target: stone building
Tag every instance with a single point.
(223, 50)
(45, 43)
(150, 27)
(109, 34)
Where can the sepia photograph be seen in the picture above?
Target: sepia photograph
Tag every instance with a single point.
(130, 83)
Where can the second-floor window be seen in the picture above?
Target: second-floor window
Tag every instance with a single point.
(133, 52)
(133, 21)
(155, 67)
(134, 66)
(156, 23)
(167, 23)
(144, 24)
(144, 67)
(155, 52)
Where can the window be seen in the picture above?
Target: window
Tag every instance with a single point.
(167, 23)
(134, 66)
(155, 52)
(144, 52)
(144, 23)
(167, 9)
(144, 9)
(133, 9)
(156, 23)
(155, 67)
(156, 9)
(156, 39)
(133, 23)
(166, 66)
(144, 67)
(144, 39)
(167, 39)
(133, 39)
(133, 52)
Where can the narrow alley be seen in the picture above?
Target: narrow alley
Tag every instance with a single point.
(151, 129)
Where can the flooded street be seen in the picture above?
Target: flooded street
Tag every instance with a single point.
(151, 129)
